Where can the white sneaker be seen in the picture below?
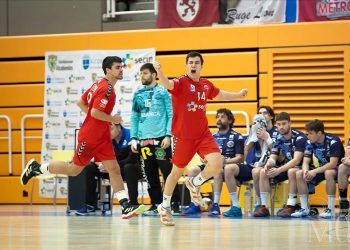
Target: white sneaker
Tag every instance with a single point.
(327, 214)
(300, 213)
(194, 191)
(166, 216)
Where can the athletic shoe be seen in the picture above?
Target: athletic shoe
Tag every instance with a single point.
(192, 209)
(215, 210)
(32, 169)
(300, 213)
(256, 208)
(166, 216)
(175, 208)
(343, 208)
(286, 211)
(262, 212)
(194, 191)
(233, 212)
(152, 211)
(327, 214)
(132, 210)
(86, 210)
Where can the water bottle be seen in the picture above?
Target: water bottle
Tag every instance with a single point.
(247, 203)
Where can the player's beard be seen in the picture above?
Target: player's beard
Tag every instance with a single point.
(222, 126)
(146, 82)
(120, 77)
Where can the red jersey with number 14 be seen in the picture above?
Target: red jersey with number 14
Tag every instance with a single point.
(189, 106)
(100, 96)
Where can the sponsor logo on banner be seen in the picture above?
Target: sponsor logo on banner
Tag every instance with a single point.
(71, 114)
(70, 124)
(49, 124)
(126, 90)
(51, 103)
(187, 9)
(69, 102)
(52, 136)
(123, 101)
(50, 79)
(93, 77)
(51, 146)
(47, 157)
(52, 113)
(86, 62)
(143, 60)
(137, 76)
(51, 91)
(52, 62)
(73, 79)
(61, 65)
(127, 61)
(333, 9)
(95, 63)
(71, 91)
(68, 135)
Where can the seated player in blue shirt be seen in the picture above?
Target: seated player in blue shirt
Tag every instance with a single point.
(343, 182)
(286, 155)
(322, 157)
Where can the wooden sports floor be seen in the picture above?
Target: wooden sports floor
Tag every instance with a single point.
(48, 227)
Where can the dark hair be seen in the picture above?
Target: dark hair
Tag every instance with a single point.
(229, 115)
(194, 54)
(150, 67)
(315, 125)
(283, 116)
(269, 110)
(108, 62)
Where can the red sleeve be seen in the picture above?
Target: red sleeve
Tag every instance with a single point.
(101, 97)
(213, 92)
(177, 85)
(84, 97)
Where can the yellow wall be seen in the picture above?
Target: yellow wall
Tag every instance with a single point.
(260, 58)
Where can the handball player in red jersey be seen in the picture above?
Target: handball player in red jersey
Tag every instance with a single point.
(94, 139)
(190, 93)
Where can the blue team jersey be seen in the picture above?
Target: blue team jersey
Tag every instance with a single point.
(285, 148)
(257, 149)
(349, 143)
(230, 143)
(152, 113)
(320, 153)
(124, 139)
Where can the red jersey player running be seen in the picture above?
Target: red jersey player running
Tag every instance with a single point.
(190, 129)
(94, 138)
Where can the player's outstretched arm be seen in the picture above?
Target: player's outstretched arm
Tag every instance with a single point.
(163, 80)
(231, 96)
(82, 105)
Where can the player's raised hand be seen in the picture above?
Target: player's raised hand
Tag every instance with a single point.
(157, 65)
(244, 92)
(116, 119)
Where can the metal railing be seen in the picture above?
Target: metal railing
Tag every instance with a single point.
(112, 12)
(23, 137)
(9, 140)
(237, 112)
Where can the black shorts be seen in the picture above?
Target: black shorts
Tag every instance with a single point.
(245, 172)
(281, 177)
